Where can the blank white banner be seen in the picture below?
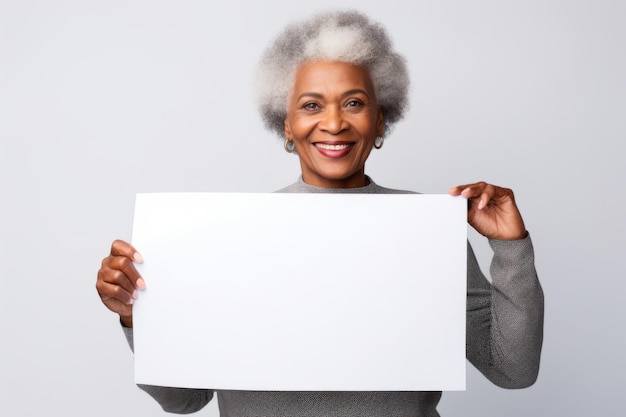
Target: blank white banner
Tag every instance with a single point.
(301, 292)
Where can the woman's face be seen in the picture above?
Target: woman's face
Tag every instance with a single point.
(333, 118)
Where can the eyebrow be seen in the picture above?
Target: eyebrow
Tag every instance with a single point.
(347, 93)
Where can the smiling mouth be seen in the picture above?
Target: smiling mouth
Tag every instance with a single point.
(327, 146)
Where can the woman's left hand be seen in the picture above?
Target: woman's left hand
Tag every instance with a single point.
(492, 211)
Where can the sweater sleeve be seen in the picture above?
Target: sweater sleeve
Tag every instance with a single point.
(505, 316)
(174, 400)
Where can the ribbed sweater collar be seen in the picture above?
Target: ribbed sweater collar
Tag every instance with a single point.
(301, 187)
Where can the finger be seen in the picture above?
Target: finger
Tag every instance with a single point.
(479, 194)
(496, 195)
(504, 194)
(113, 295)
(117, 277)
(459, 189)
(485, 196)
(472, 192)
(126, 266)
(121, 248)
(467, 190)
(455, 191)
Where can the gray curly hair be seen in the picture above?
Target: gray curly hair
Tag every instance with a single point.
(345, 36)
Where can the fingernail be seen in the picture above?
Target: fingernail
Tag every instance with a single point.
(135, 294)
(481, 204)
(137, 258)
(141, 284)
(132, 300)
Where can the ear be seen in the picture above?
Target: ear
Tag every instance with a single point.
(287, 129)
(380, 123)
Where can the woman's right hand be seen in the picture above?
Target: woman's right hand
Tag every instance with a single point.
(118, 280)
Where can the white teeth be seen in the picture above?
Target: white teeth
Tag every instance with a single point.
(331, 147)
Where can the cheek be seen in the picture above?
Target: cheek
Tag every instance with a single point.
(367, 128)
(300, 127)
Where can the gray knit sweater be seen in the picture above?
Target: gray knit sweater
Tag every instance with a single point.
(504, 337)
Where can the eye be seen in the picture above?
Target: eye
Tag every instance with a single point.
(311, 105)
(354, 103)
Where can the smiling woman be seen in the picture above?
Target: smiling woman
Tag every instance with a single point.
(333, 118)
(332, 87)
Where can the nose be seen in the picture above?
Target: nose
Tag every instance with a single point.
(333, 120)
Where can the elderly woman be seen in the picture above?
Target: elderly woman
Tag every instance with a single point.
(332, 87)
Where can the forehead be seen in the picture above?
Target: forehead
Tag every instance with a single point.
(331, 76)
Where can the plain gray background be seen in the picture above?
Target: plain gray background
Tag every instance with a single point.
(100, 100)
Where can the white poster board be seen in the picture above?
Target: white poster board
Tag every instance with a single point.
(301, 292)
